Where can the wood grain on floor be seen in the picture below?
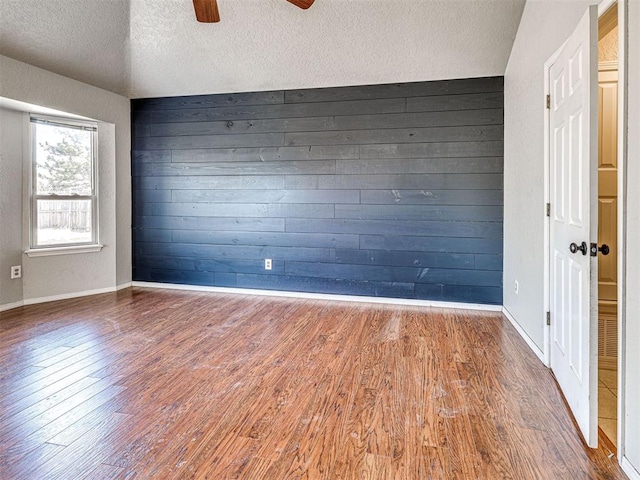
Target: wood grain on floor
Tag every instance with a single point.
(166, 384)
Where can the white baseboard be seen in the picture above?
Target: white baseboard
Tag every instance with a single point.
(323, 296)
(269, 293)
(9, 306)
(524, 335)
(629, 469)
(65, 296)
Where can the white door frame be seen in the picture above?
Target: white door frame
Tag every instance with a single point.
(603, 6)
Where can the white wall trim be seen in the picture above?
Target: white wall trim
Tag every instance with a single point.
(605, 5)
(547, 220)
(621, 66)
(10, 306)
(629, 469)
(65, 296)
(539, 353)
(623, 60)
(86, 293)
(67, 250)
(323, 296)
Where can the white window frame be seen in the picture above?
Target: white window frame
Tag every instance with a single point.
(93, 245)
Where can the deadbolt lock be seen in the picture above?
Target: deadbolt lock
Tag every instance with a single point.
(604, 249)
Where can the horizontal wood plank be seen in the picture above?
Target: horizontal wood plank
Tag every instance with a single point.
(455, 102)
(441, 181)
(489, 148)
(208, 182)
(432, 244)
(144, 156)
(234, 251)
(419, 212)
(209, 224)
(322, 240)
(209, 141)
(432, 197)
(319, 210)
(239, 127)
(392, 105)
(395, 274)
(403, 258)
(264, 196)
(413, 165)
(208, 101)
(449, 87)
(428, 228)
(324, 285)
(487, 116)
(396, 135)
(237, 168)
(364, 185)
(267, 154)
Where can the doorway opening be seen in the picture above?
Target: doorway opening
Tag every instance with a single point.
(608, 226)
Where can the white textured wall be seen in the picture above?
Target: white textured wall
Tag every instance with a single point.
(632, 345)
(46, 276)
(10, 201)
(544, 26)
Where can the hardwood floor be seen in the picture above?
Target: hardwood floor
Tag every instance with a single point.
(169, 384)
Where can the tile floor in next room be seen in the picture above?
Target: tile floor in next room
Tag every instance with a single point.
(608, 403)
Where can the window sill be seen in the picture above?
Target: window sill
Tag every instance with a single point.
(74, 249)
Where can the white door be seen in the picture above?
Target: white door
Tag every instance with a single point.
(573, 184)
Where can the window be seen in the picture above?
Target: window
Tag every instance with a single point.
(63, 187)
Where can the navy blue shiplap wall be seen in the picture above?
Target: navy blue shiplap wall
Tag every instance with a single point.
(383, 190)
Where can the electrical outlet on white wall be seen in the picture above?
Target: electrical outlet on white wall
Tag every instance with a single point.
(516, 287)
(268, 264)
(16, 271)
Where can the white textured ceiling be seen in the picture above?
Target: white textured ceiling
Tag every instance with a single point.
(149, 48)
(86, 40)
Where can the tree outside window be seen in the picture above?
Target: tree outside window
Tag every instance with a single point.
(63, 200)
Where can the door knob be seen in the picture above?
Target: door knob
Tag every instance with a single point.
(604, 249)
(573, 248)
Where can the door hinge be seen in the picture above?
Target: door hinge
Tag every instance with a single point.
(548, 318)
(549, 101)
(548, 209)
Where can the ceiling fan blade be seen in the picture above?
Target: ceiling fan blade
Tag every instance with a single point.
(206, 11)
(304, 4)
